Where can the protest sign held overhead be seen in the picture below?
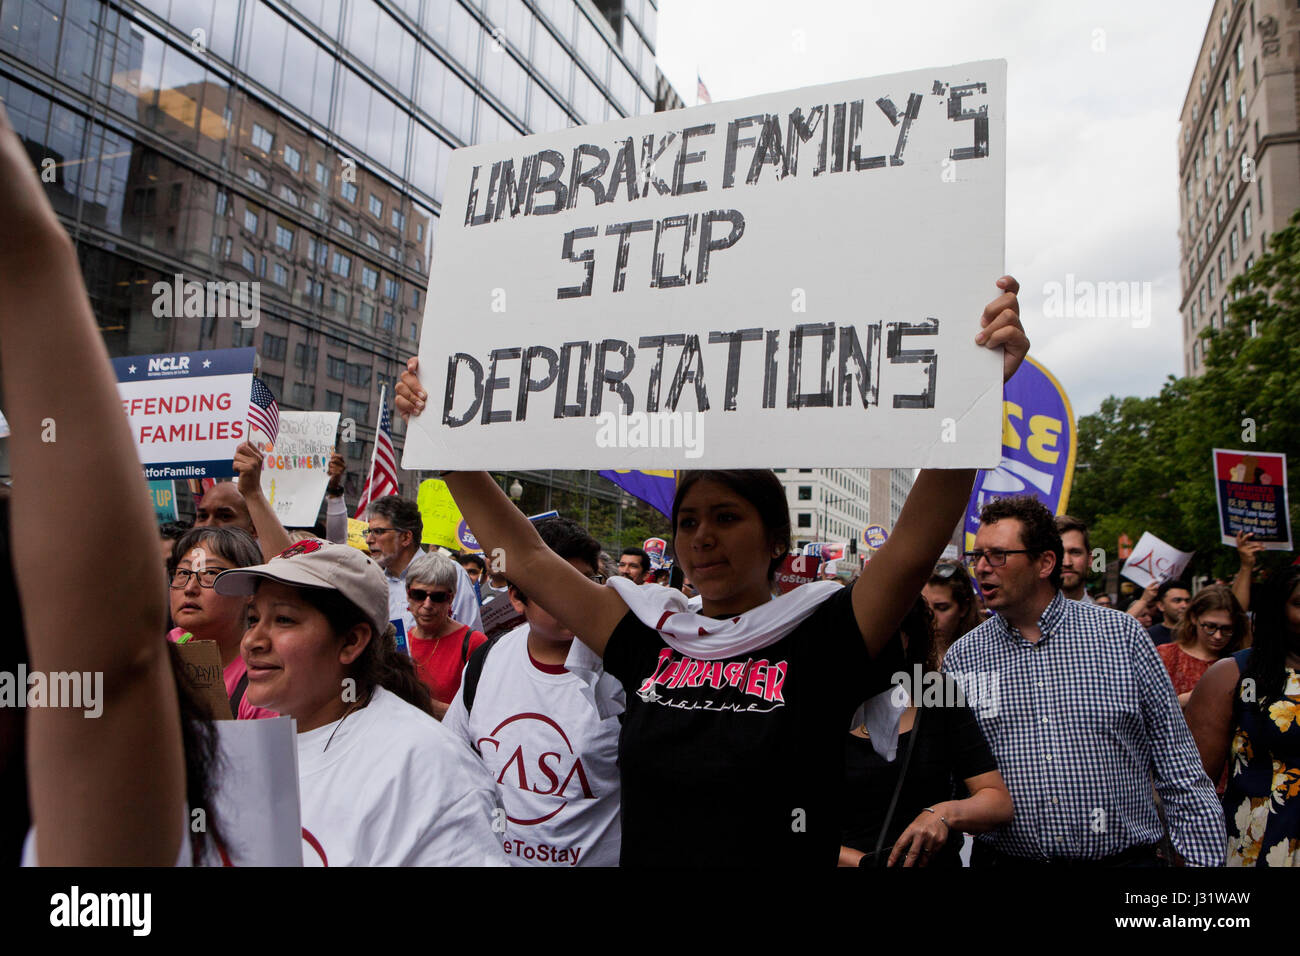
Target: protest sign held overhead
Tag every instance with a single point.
(188, 411)
(162, 494)
(1251, 491)
(295, 467)
(1154, 560)
(806, 264)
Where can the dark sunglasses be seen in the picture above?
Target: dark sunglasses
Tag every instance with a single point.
(419, 595)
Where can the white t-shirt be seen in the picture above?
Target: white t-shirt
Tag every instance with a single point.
(554, 760)
(393, 789)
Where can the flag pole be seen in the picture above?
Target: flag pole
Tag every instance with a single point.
(374, 452)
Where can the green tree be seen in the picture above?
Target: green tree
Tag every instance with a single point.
(1144, 464)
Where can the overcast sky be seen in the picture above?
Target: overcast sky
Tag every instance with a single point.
(1092, 165)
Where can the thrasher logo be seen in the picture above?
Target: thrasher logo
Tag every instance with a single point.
(761, 679)
(302, 547)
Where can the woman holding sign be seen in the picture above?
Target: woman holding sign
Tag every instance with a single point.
(731, 748)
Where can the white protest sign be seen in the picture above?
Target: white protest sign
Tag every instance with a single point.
(801, 271)
(1153, 560)
(295, 468)
(188, 411)
(256, 801)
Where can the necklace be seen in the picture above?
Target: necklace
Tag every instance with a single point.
(419, 664)
(354, 706)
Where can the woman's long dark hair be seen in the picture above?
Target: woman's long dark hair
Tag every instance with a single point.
(918, 627)
(1272, 636)
(202, 761)
(762, 489)
(381, 664)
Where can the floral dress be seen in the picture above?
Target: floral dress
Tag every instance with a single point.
(1262, 800)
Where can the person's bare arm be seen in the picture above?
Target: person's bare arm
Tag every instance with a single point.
(336, 512)
(271, 536)
(1247, 549)
(108, 789)
(892, 580)
(1145, 602)
(1208, 713)
(987, 807)
(590, 610)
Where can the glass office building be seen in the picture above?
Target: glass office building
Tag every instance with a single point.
(303, 146)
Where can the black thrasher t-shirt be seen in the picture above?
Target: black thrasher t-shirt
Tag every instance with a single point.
(739, 762)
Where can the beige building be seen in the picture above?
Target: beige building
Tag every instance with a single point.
(1238, 157)
(838, 504)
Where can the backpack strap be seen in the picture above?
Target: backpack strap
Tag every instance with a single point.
(473, 671)
(238, 695)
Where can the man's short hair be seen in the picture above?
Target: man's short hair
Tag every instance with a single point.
(640, 553)
(472, 557)
(404, 515)
(1174, 585)
(569, 540)
(1038, 528)
(1066, 523)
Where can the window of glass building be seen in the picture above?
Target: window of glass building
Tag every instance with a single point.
(391, 287)
(348, 191)
(376, 207)
(263, 138)
(369, 278)
(323, 175)
(281, 275)
(366, 314)
(287, 194)
(249, 261)
(250, 220)
(255, 177)
(345, 227)
(292, 158)
(388, 321)
(283, 237)
(372, 241)
(342, 265)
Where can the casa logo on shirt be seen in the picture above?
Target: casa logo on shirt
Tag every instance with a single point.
(539, 759)
(760, 683)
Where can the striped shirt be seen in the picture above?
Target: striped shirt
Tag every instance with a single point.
(1082, 724)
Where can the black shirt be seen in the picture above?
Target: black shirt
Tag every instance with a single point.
(1160, 634)
(739, 762)
(950, 749)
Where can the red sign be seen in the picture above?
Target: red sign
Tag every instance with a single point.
(795, 570)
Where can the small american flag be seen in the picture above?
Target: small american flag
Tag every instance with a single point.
(701, 91)
(263, 412)
(383, 466)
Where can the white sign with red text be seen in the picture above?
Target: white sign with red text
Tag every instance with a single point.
(1153, 560)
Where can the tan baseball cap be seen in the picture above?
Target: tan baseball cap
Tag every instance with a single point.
(319, 564)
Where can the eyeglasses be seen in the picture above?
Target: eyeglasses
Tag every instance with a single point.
(373, 532)
(419, 595)
(1212, 629)
(207, 577)
(996, 557)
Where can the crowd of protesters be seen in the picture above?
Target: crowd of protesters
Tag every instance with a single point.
(873, 724)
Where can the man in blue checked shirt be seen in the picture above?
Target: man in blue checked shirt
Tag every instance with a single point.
(1079, 713)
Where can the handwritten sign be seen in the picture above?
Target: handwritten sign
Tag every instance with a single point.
(1251, 490)
(655, 291)
(295, 468)
(1153, 560)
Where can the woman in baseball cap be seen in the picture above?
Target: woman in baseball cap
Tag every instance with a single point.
(381, 781)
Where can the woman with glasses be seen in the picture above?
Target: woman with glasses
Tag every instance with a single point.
(952, 600)
(439, 644)
(201, 614)
(1214, 627)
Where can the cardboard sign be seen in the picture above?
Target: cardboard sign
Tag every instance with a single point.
(796, 569)
(163, 496)
(499, 616)
(256, 796)
(1153, 560)
(357, 534)
(188, 411)
(660, 290)
(295, 468)
(1251, 490)
(201, 661)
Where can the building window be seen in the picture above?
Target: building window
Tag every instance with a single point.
(315, 289)
(358, 411)
(1194, 315)
(1227, 88)
(371, 241)
(419, 232)
(318, 211)
(1205, 145)
(805, 520)
(250, 261)
(367, 314)
(1196, 355)
(1241, 56)
(1223, 265)
(288, 195)
(342, 265)
(333, 401)
(389, 321)
(263, 138)
(1218, 162)
(1223, 310)
(349, 191)
(222, 199)
(1241, 106)
(394, 253)
(1247, 227)
(1218, 214)
(274, 346)
(345, 227)
(1203, 299)
(391, 288)
(281, 275)
(304, 356)
(242, 337)
(323, 175)
(1250, 262)
(398, 219)
(1229, 137)
(358, 375)
(292, 158)
(275, 383)
(317, 250)
(250, 221)
(338, 302)
(413, 333)
(1215, 118)
(283, 237)
(1210, 281)
(335, 367)
(376, 207)
(1202, 86)
(1200, 208)
(415, 298)
(369, 278)
(805, 492)
(304, 396)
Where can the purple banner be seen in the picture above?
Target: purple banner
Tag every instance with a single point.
(655, 488)
(1038, 447)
